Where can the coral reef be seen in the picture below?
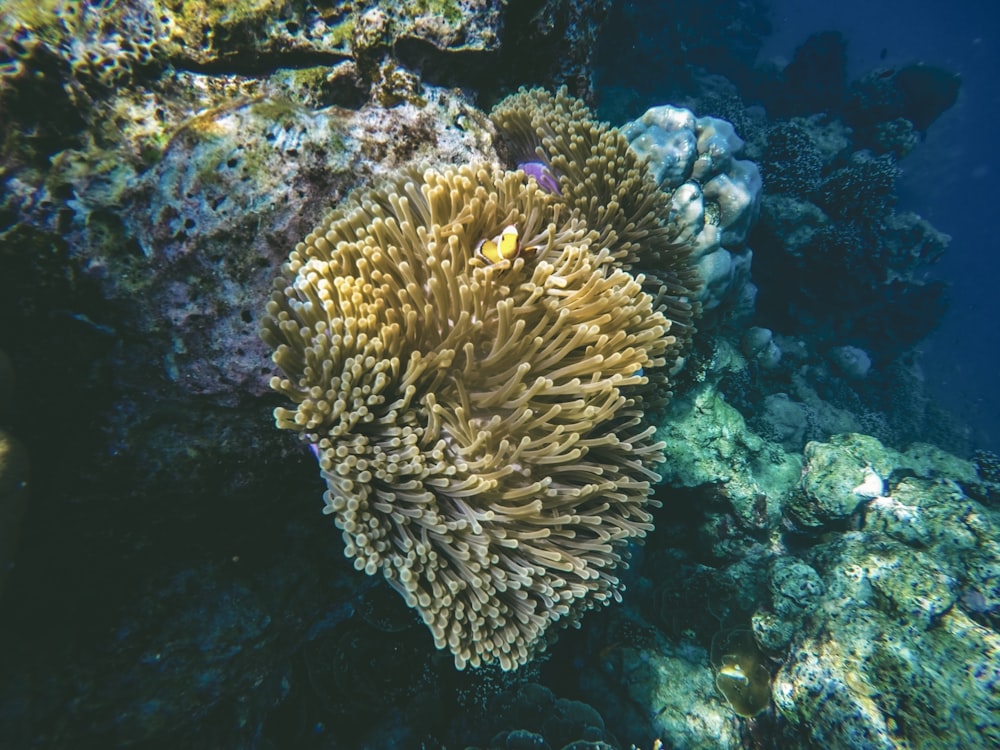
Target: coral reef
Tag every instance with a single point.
(147, 194)
(890, 108)
(542, 720)
(550, 43)
(141, 225)
(791, 393)
(838, 477)
(758, 345)
(830, 261)
(793, 165)
(635, 682)
(90, 48)
(208, 32)
(886, 592)
(796, 590)
(987, 463)
(477, 422)
(714, 197)
(365, 51)
(867, 586)
(166, 234)
(902, 642)
(853, 363)
(709, 445)
(838, 261)
(601, 177)
(173, 584)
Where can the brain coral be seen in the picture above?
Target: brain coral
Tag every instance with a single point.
(478, 416)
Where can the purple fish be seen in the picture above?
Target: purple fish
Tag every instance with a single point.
(544, 176)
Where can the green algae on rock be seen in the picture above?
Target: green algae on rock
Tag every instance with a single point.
(838, 477)
(901, 648)
(709, 444)
(650, 686)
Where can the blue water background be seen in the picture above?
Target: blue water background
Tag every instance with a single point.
(950, 179)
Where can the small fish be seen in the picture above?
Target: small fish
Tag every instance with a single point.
(502, 247)
(543, 175)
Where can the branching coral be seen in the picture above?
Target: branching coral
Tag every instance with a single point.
(862, 192)
(793, 165)
(468, 356)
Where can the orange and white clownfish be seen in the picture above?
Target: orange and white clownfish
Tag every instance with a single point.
(502, 247)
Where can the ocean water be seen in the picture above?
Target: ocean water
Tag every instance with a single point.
(950, 179)
(188, 561)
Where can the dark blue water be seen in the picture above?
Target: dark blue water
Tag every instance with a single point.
(951, 179)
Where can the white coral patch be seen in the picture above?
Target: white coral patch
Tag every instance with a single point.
(872, 486)
(892, 507)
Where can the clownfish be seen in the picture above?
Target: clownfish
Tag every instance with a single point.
(502, 247)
